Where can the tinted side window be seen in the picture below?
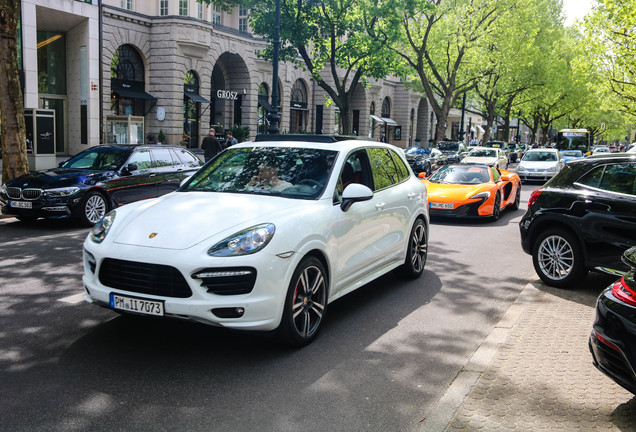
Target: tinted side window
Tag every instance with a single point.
(619, 178)
(402, 171)
(163, 158)
(385, 173)
(141, 158)
(187, 158)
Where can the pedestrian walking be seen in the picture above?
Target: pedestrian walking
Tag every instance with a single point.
(211, 146)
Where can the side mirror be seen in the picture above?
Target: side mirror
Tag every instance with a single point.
(505, 178)
(132, 167)
(422, 174)
(353, 193)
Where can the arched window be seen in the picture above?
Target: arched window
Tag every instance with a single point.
(263, 108)
(128, 95)
(386, 108)
(191, 109)
(127, 64)
(298, 108)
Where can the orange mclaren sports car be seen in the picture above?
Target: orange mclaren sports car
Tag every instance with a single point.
(472, 191)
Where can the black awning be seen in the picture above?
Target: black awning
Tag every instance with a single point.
(196, 97)
(133, 94)
(266, 105)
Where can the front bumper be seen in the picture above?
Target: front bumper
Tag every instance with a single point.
(50, 208)
(261, 307)
(535, 176)
(470, 210)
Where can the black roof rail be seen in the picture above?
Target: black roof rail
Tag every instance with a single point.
(305, 137)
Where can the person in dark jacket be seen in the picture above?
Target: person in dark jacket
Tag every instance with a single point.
(211, 146)
(230, 140)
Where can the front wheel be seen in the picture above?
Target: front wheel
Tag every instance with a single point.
(305, 303)
(416, 252)
(515, 205)
(496, 209)
(92, 208)
(557, 258)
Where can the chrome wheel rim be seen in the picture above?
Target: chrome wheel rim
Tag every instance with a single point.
(419, 248)
(95, 208)
(555, 257)
(308, 303)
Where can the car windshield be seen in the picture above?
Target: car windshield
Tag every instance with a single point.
(540, 156)
(482, 153)
(290, 172)
(572, 153)
(417, 151)
(458, 174)
(448, 146)
(99, 159)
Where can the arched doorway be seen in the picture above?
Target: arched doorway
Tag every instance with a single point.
(230, 81)
(191, 109)
(263, 108)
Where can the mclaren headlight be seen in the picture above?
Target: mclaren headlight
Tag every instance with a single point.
(61, 192)
(244, 242)
(481, 195)
(101, 228)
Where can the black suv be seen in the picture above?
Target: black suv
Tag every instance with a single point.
(92, 182)
(583, 219)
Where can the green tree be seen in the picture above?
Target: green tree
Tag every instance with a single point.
(441, 43)
(12, 132)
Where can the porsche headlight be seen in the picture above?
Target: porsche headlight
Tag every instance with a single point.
(245, 242)
(61, 192)
(481, 195)
(101, 228)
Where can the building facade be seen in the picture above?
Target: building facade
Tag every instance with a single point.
(136, 70)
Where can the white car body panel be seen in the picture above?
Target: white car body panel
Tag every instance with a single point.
(178, 229)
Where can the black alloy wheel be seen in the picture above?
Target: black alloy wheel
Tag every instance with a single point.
(92, 208)
(496, 209)
(416, 252)
(515, 205)
(557, 258)
(305, 304)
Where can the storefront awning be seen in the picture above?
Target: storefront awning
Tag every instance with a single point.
(480, 129)
(389, 121)
(133, 94)
(472, 129)
(196, 97)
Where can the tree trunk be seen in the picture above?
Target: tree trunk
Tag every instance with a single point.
(14, 159)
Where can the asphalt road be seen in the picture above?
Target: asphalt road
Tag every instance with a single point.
(385, 356)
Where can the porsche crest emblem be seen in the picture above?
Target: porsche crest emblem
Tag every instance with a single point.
(153, 235)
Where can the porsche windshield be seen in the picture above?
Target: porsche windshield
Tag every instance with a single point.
(285, 171)
(461, 174)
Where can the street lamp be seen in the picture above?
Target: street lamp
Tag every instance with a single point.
(461, 127)
(274, 117)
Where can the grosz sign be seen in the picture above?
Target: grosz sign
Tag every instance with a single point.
(227, 94)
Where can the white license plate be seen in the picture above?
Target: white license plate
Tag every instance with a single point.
(536, 174)
(137, 305)
(21, 204)
(445, 206)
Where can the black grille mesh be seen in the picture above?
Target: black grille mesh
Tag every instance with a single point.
(143, 278)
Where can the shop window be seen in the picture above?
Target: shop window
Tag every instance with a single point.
(51, 63)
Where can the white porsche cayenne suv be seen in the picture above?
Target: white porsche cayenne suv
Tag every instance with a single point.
(264, 236)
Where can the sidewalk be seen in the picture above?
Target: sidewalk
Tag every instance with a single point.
(534, 372)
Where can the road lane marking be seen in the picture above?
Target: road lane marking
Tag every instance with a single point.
(77, 298)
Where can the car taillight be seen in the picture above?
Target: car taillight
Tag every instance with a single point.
(623, 292)
(534, 196)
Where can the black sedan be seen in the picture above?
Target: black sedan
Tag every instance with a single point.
(613, 338)
(96, 180)
(453, 150)
(582, 219)
(425, 160)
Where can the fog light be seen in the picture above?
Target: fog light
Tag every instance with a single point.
(233, 312)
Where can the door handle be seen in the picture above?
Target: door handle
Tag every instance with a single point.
(380, 206)
(152, 175)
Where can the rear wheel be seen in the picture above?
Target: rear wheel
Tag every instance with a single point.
(416, 252)
(558, 259)
(305, 303)
(496, 209)
(515, 205)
